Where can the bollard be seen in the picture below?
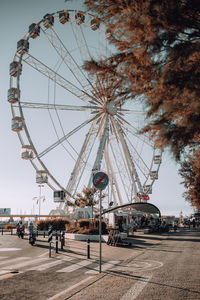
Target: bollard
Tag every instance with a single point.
(50, 250)
(88, 248)
(56, 242)
(44, 234)
(11, 231)
(62, 241)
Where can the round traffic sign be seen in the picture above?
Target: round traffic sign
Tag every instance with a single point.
(100, 180)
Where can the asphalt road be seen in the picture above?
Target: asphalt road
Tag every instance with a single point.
(154, 267)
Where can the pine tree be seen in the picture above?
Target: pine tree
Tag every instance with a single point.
(158, 57)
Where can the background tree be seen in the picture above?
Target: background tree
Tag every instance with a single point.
(190, 171)
(88, 197)
(157, 57)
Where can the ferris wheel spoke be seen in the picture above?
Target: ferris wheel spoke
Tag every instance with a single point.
(80, 42)
(133, 130)
(138, 160)
(56, 106)
(69, 60)
(55, 77)
(66, 136)
(129, 111)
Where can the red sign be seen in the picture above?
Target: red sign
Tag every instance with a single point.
(143, 196)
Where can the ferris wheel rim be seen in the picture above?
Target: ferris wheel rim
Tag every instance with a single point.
(28, 135)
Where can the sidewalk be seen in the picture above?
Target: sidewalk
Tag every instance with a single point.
(114, 283)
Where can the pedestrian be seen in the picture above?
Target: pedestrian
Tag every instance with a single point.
(194, 223)
(189, 223)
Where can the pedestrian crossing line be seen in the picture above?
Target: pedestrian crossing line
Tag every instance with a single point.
(76, 266)
(136, 289)
(3, 272)
(104, 267)
(13, 260)
(27, 263)
(50, 264)
(3, 257)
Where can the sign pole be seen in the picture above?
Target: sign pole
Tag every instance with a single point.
(100, 181)
(100, 226)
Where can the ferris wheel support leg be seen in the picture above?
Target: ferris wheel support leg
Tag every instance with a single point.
(131, 165)
(80, 163)
(100, 152)
(120, 174)
(112, 175)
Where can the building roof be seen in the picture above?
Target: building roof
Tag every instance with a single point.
(143, 207)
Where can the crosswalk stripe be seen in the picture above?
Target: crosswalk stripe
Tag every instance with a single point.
(10, 261)
(3, 272)
(104, 267)
(3, 257)
(26, 263)
(51, 264)
(136, 289)
(76, 266)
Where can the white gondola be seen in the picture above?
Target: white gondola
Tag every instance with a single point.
(154, 175)
(80, 18)
(22, 46)
(95, 23)
(63, 17)
(41, 177)
(157, 159)
(34, 30)
(17, 124)
(59, 196)
(148, 189)
(15, 66)
(48, 21)
(27, 152)
(13, 95)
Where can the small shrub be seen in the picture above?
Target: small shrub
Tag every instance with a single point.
(9, 226)
(84, 223)
(57, 223)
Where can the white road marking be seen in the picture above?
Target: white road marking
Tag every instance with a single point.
(26, 263)
(57, 296)
(136, 289)
(76, 266)
(43, 254)
(2, 272)
(3, 257)
(138, 265)
(10, 261)
(104, 267)
(51, 264)
(10, 249)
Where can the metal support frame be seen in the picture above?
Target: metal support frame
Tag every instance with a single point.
(100, 152)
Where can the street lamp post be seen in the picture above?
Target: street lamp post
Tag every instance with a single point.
(40, 186)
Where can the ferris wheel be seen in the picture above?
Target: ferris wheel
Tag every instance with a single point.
(72, 123)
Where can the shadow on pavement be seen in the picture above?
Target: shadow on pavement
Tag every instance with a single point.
(140, 278)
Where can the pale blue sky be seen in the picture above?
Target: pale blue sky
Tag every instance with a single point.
(17, 182)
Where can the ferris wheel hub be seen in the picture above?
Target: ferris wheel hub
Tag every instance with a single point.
(111, 108)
